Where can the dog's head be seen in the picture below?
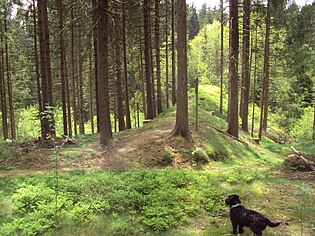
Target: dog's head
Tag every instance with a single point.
(233, 200)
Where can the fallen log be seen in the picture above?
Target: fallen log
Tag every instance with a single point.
(310, 163)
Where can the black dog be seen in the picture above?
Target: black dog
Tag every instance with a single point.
(240, 216)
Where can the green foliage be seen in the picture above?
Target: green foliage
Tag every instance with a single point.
(239, 175)
(155, 199)
(218, 155)
(199, 156)
(302, 129)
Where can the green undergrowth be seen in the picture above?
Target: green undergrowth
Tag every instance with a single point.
(145, 202)
(129, 202)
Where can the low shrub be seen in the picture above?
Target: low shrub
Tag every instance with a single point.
(154, 200)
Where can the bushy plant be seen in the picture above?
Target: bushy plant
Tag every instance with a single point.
(154, 200)
(199, 156)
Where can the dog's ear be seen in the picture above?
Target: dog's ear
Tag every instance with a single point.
(238, 199)
(235, 199)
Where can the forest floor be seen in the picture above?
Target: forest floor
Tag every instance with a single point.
(255, 172)
(151, 146)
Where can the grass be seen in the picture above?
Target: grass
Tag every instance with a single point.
(161, 201)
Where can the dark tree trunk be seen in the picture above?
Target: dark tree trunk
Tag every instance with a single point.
(233, 67)
(146, 13)
(265, 86)
(144, 104)
(62, 70)
(95, 30)
(48, 126)
(173, 55)
(9, 82)
(152, 73)
(38, 82)
(102, 52)
(166, 56)
(182, 126)
(73, 74)
(119, 91)
(80, 85)
(127, 106)
(3, 89)
(157, 57)
(255, 77)
(221, 58)
(91, 83)
(245, 67)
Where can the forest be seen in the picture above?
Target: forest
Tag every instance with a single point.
(140, 117)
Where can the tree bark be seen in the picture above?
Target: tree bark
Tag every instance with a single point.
(221, 58)
(233, 68)
(255, 77)
(95, 37)
(173, 54)
(157, 56)
(119, 91)
(166, 56)
(102, 68)
(73, 74)
(149, 100)
(245, 66)
(265, 87)
(62, 70)
(38, 82)
(182, 126)
(48, 119)
(127, 105)
(3, 89)
(80, 85)
(9, 81)
(91, 88)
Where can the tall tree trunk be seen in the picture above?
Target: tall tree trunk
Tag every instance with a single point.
(265, 87)
(166, 56)
(255, 77)
(119, 89)
(9, 82)
(38, 82)
(314, 124)
(233, 67)
(67, 87)
(102, 68)
(245, 67)
(182, 126)
(221, 58)
(73, 74)
(157, 55)
(127, 106)
(149, 100)
(152, 72)
(62, 70)
(173, 54)
(91, 88)
(48, 119)
(95, 50)
(3, 89)
(144, 104)
(80, 85)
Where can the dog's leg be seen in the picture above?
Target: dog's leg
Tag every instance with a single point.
(234, 228)
(257, 232)
(240, 229)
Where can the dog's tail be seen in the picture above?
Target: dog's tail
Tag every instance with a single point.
(272, 224)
